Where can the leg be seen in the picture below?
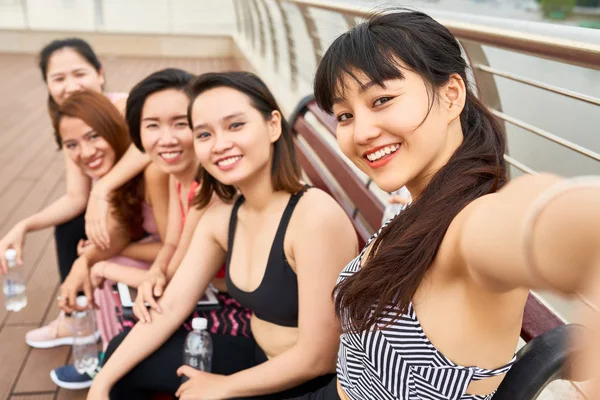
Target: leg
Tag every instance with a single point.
(67, 236)
(157, 373)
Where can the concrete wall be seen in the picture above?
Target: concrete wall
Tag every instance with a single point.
(151, 45)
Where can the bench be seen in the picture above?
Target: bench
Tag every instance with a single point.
(539, 362)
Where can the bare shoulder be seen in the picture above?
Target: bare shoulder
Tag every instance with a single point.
(215, 218)
(318, 220)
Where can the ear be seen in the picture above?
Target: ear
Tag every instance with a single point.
(101, 77)
(274, 124)
(454, 95)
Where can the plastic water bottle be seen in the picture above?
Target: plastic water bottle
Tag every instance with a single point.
(198, 349)
(13, 286)
(85, 349)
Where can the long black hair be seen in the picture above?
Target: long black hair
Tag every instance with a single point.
(406, 249)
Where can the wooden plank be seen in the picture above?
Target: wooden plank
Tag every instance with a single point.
(13, 351)
(37, 396)
(35, 376)
(71, 394)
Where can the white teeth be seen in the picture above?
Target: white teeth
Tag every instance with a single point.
(170, 155)
(95, 163)
(383, 152)
(228, 161)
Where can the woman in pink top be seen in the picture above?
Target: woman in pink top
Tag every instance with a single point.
(69, 66)
(94, 136)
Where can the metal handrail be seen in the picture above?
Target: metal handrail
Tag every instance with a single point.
(538, 84)
(547, 135)
(565, 50)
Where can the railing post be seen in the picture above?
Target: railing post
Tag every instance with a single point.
(350, 20)
(311, 27)
(274, 45)
(290, 44)
(261, 28)
(238, 17)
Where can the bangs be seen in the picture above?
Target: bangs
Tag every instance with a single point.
(361, 50)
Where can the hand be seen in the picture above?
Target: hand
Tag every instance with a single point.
(202, 385)
(77, 280)
(152, 288)
(83, 246)
(97, 276)
(403, 199)
(15, 239)
(96, 215)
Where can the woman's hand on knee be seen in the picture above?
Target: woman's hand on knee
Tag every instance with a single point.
(152, 288)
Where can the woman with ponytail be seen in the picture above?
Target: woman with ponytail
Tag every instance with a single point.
(432, 306)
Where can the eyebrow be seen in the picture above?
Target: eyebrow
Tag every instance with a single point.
(230, 116)
(62, 73)
(361, 89)
(181, 116)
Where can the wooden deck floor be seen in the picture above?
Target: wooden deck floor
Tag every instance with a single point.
(31, 176)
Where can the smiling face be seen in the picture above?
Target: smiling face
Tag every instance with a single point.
(232, 139)
(87, 148)
(165, 133)
(68, 72)
(393, 132)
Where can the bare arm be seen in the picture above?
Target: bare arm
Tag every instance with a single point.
(131, 164)
(65, 208)
(130, 276)
(194, 215)
(565, 237)
(197, 269)
(153, 285)
(323, 243)
(157, 191)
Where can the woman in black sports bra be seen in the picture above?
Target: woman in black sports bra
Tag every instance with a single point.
(284, 244)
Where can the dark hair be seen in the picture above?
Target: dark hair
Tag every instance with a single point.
(103, 117)
(285, 170)
(170, 78)
(403, 253)
(82, 48)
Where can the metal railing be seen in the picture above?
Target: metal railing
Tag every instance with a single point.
(565, 45)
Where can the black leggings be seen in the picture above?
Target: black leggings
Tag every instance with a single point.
(157, 373)
(67, 236)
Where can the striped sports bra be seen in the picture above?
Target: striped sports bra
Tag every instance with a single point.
(399, 361)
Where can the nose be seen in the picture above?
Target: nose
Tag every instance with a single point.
(72, 85)
(88, 150)
(366, 128)
(221, 144)
(167, 138)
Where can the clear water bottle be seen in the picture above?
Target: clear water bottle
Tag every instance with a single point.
(85, 349)
(198, 349)
(13, 286)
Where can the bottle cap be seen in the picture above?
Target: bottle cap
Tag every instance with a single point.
(82, 301)
(199, 324)
(10, 255)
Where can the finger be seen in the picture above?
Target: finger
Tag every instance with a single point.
(159, 286)
(143, 309)
(87, 290)
(136, 311)
(182, 388)
(71, 295)
(19, 250)
(150, 298)
(185, 370)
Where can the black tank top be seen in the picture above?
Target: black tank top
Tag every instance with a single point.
(275, 300)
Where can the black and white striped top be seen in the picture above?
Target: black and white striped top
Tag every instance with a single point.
(399, 361)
